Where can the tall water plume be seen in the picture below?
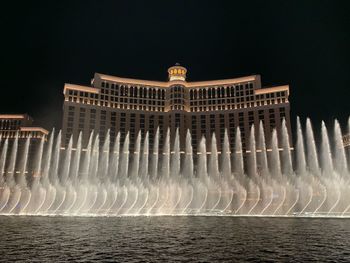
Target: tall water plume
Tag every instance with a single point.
(312, 161)
(225, 157)
(202, 159)
(339, 150)
(176, 158)
(144, 159)
(275, 162)
(252, 167)
(10, 179)
(114, 163)
(188, 163)
(47, 160)
(21, 181)
(300, 151)
(166, 156)
(155, 156)
(55, 160)
(238, 154)
(136, 158)
(262, 155)
(123, 169)
(326, 155)
(86, 160)
(287, 166)
(3, 161)
(104, 158)
(76, 160)
(213, 159)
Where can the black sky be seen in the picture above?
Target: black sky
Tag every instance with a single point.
(305, 44)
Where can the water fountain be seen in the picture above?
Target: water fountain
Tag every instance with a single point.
(278, 180)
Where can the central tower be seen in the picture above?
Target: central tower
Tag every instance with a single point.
(177, 72)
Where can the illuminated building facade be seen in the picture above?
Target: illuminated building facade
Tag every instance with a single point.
(205, 107)
(20, 126)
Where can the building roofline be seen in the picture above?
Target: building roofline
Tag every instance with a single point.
(272, 89)
(80, 88)
(39, 129)
(171, 83)
(14, 116)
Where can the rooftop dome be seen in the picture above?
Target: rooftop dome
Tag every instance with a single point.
(177, 72)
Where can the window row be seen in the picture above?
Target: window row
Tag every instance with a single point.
(221, 92)
(124, 90)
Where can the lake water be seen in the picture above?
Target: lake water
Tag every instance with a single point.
(169, 239)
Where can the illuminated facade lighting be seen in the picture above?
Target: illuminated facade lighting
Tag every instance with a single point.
(20, 126)
(128, 105)
(12, 125)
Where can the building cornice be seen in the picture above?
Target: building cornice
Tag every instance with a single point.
(80, 88)
(166, 84)
(13, 116)
(272, 89)
(34, 129)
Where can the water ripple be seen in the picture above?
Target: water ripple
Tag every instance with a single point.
(173, 239)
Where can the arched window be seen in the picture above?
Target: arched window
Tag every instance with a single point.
(222, 92)
(135, 91)
(204, 93)
(126, 91)
(131, 91)
(154, 93)
(200, 93)
(158, 94)
(163, 94)
(209, 93)
(141, 92)
(217, 92)
(232, 91)
(195, 94)
(191, 94)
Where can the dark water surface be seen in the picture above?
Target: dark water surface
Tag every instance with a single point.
(169, 239)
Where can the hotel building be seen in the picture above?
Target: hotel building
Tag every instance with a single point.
(12, 125)
(128, 105)
(20, 126)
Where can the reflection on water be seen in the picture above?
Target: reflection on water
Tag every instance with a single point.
(164, 239)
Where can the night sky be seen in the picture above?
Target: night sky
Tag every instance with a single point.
(305, 44)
